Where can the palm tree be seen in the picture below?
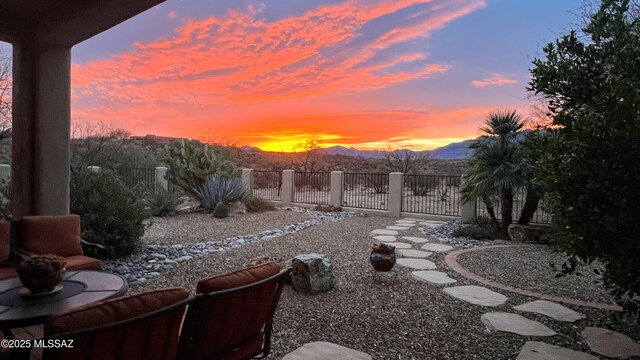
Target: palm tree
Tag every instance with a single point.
(498, 167)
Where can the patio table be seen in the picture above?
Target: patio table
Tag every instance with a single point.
(78, 288)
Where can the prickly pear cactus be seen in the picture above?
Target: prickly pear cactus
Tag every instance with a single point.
(221, 210)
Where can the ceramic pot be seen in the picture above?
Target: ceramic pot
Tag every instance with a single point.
(383, 259)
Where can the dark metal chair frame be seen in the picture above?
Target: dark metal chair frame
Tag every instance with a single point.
(191, 337)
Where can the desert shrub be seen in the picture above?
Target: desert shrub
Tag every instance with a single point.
(191, 163)
(256, 204)
(591, 83)
(111, 214)
(219, 189)
(481, 229)
(378, 182)
(423, 184)
(5, 199)
(163, 202)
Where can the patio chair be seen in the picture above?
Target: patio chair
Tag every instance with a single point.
(233, 319)
(140, 327)
(58, 235)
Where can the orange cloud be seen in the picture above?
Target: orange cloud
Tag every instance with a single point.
(494, 79)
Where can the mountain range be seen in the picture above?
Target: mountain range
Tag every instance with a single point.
(457, 150)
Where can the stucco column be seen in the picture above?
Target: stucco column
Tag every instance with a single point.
(286, 195)
(41, 127)
(396, 183)
(468, 210)
(336, 188)
(161, 181)
(247, 179)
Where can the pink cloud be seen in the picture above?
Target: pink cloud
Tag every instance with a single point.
(495, 79)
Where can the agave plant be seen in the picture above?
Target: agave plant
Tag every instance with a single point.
(218, 189)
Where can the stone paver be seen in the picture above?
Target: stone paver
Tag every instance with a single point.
(432, 223)
(551, 309)
(516, 324)
(414, 239)
(384, 232)
(405, 224)
(400, 245)
(410, 253)
(476, 295)
(402, 221)
(433, 277)
(437, 247)
(385, 238)
(411, 219)
(417, 264)
(537, 350)
(396, 227)
(610, 343)
(321, 350)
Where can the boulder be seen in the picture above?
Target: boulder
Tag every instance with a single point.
(524, 233)
(312, 274)
(237, 207)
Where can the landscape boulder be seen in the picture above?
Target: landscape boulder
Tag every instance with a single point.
(312, 274)
(524, 233)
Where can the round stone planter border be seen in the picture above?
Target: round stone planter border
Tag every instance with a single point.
(451, 260)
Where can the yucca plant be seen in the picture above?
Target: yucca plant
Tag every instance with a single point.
(218, 189)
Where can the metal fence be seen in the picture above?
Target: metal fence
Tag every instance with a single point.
(136, 178)
(266, 184)
(366, 191)
(539, 217)
(312, 188)
(431, 194)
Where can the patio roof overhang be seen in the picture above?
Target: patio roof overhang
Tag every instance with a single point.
(42, 33)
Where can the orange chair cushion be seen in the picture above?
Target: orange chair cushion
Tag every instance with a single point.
(112, 310)
(5, 243)
(81, 262)
(238, 278)
(233, 325)
(152, 338)
(59, 235)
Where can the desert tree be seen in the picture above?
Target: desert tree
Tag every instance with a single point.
(407, 159)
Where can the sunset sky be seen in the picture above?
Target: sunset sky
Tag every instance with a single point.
(367, 73)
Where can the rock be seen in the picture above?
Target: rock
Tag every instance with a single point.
(327, 208)
(237, 207)
(122, 269)
(524, 233)
(551, 309)
(153, 274)
(433, 277)
(515, 324)
(321, 350)
(476, 295)
(610, 343)
(536, 350)
(312, 274)
(418, 264)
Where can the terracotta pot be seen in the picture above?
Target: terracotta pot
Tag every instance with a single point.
(383, 259)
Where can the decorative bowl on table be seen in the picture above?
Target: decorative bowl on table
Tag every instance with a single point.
(41, 274)
(383, 257)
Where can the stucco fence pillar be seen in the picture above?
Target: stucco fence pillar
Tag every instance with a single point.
(161, 178)
(288, 188)
(335, 198)
(247, 179)
(396, 183)
(469, 209)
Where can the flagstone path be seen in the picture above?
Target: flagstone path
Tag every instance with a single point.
(601, 341)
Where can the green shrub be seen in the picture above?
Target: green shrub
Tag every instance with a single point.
(5, 199)
(218, 189)
(163, 202)
(256, 204)
(221, 210)
(111, 214)
(190, 163)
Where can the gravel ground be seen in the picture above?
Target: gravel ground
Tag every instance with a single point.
(199, 227)
(401, 319)
(528, 267)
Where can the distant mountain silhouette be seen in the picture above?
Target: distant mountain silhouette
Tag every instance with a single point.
(453, 151)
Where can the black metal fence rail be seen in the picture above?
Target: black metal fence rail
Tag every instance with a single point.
(539, 217)
(366, 191)
(136, 178)
(312, 188)
(431, 194)
(266, 184)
